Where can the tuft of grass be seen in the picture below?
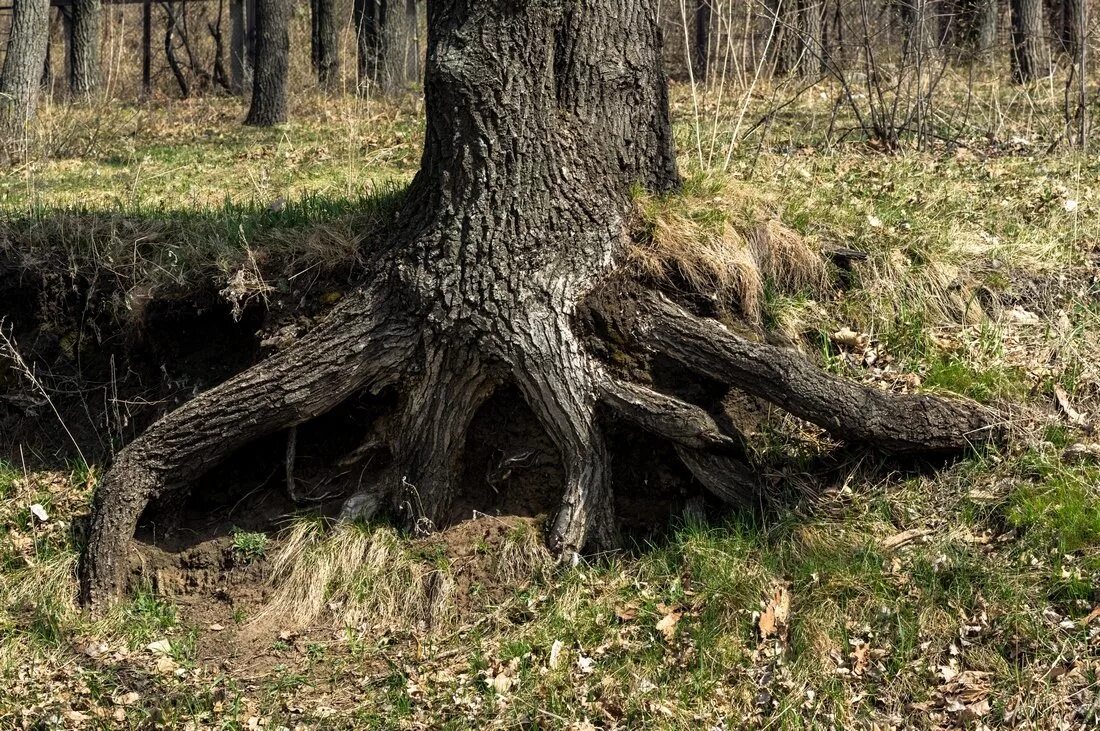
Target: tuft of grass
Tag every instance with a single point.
(719, 239)
(370, 574)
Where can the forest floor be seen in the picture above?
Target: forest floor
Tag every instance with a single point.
(864, 595)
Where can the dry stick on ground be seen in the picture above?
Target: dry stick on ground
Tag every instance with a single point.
(542, 116)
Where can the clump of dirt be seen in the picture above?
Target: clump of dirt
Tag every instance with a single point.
(489, 559)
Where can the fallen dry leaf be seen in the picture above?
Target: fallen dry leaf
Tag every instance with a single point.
(555, 654)
(667, 625)
(773, 620)
(1074, 416)
(906, 536)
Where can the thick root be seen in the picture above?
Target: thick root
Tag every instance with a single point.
(431, 434)
(906, 423)
(668, 417)
(558, 381)
(364, 344)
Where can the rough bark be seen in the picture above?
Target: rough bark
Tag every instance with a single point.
(85, 44)
(800, 36)
(271, 63)
(22, 72)
(852, 412)
(363, 346)
(541, 117)
(986, 14)
(324, 44)
(1028, 49)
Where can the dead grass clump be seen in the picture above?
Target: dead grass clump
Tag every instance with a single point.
(370, 576)
(723, 241)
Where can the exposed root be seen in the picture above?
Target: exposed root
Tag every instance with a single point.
(724, 474)
(431, 434)
(559, 383)
(668, 417)
(365, 344)
(906, 423)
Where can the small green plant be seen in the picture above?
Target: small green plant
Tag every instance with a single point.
(148, 617)
(249, 546)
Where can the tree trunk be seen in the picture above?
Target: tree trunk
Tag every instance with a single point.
(369, 18)
(812, 18)
(324, 44)
(239, 60)
(1028, 49)
(388, 43)
(701, 53)
(85, 44)
(22, 72)
(1070, 31)
(799, 34)
(542, 117)
(984, 31)
(269, 75)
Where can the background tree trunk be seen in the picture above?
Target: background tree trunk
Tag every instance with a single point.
(799, 37)
(324, 41)
(269, 75)
(1028, 49)
(1070, 31)
(239, 61)
(85, 45)
(402, 58)
(812, 17)
(22, 72)
(788, 38)
(701, 52)
(370, 18)
(986, 16)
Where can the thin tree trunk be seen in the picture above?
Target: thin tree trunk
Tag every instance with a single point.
(369, 18)
(701, 54)
(1028, 49)
(788, 38)
(324, 40)
(85, 46)
(986, 15)
(170, 49)
(239, 61)
(812, 17)
(22, 72)
(402, 59)
(47, 66)
(1069, 28)
(269, 75)
(147, 47)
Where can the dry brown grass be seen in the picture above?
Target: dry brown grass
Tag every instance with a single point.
(721, 240)
(370, 576)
